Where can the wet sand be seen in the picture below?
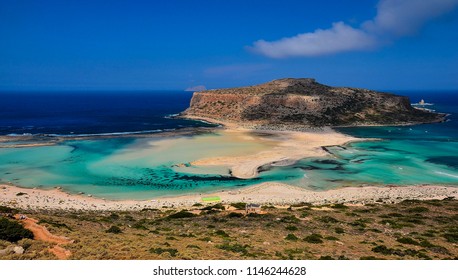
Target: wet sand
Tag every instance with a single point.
(287, 148)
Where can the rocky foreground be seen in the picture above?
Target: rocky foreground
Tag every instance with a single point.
(300, 103)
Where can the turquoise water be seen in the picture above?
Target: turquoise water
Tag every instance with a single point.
(142, 168)
(129, 168)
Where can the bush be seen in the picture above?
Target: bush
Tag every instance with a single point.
(114, 229)
(339, 230)
(407, 240)
(140, 225)
(221, 233)
(451, 237)
(418, 209)
(289, 219)
(13, 231)
(236, 248)
(382, 249)
(333, 238)
(113, 216)
(158, 251)
(291, 237)
(54, 224)
(314, 238)
(5, 209)
(339, 206)
(328, 219)
(239, 205)
(216, 206)
(235, 215)
(180, 215)
(292, 228)
(369, 258)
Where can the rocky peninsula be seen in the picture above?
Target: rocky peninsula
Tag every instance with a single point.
(293, 104)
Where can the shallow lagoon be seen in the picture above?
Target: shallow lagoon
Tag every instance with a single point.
(144, 168)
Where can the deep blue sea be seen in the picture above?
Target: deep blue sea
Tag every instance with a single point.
(69, 113)
(134, 168)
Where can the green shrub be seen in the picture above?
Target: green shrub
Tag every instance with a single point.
(55, 224)
(113, 216)
(221, 233)
(333, 238)
(451, 237)
(239, 205)
(418, 209)
(235, 215)
(6, 209)
(291, 219)
(314, 238)
(114, 229)
(292, 228)
(129, 218)
(236, 248)
(339, 206)
(369, 258)
(215, 206)
(382, 249)
(407, 240)
(158, 251)
(328, 219)
(291, 237)
(180, 215)
(13, 231)
(140, 225)
(339, 230)
(325, 258)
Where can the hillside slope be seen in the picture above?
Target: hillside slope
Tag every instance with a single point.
(304, 102)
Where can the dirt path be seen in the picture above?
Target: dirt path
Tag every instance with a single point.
(41, 233)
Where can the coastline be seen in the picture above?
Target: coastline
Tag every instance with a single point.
(270, 193)
(290, 147)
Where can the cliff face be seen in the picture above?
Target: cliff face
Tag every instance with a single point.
(304, 102)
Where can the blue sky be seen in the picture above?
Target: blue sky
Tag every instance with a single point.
(176, 44)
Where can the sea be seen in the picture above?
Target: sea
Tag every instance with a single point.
(133, 167)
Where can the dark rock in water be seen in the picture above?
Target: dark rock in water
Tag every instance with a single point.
(299, 103)
(450, 161)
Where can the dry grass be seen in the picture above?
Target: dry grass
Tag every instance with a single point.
(408, 230)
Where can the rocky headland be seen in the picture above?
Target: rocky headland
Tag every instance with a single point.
(293, 104)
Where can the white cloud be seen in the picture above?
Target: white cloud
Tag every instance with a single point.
(339, 38)
(394, 19)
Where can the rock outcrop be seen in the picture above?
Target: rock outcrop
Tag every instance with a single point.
(296, 103)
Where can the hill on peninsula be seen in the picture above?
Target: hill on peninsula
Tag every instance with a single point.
(295, 103)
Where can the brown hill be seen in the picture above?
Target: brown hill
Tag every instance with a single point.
(294, 103)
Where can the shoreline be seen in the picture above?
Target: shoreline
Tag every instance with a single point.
(290, 146)
(286, 127)
(270, 193)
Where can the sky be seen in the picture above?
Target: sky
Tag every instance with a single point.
(182, 44)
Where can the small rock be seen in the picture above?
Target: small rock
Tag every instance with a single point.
(18, 250)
